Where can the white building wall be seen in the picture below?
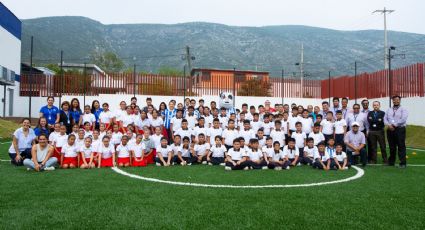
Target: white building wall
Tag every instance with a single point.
(10, 57)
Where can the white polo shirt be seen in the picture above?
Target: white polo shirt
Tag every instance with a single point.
(218, 151)
(138, 149)
(106, 117)
(340, 157)
(307, 124)
(87, 151)
(339, 126)
(163, 150)
(69, 151)
(278, 136)
(317, 137)
(311, 152)
(299, 139)
(212, 133)
(106, 151)
(290, 153)
(201, 149)
(236, 155)
(229, 136)
(254, 155)
(327, 127)
(123, 151)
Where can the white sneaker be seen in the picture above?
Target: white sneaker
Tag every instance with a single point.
(158, 164)
(278, 168)
(28, 169)
(227, 168)
(345, 168)
(222, 164)
(210, 163)
(51, 168)
(189, 164)
(204, 162)
(287, 167)
(264, 168)
(246, 168)
(299, 164)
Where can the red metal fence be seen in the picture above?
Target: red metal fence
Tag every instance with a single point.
(406, 81)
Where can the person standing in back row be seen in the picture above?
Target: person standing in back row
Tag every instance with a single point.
(376, 133)
(395, 119)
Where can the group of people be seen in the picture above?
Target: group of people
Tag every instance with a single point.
(331, 137)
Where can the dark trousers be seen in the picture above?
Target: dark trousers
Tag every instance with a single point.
(188, 160)
(375, 138)
(257, 165)
(339, 138)
(306, 160)
(240, 166)
(157, 160)
(317, 164)
(301, 151)
(26, 154)
(334, 165)
(195, 159)
(352, 159)
(217, 160)
(273, 165)
(397, 143)
(327, 137)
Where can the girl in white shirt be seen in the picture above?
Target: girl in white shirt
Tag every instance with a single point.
(142, 122)
(106, 117)
(137, 151)
(87, 154)
(116, 136)
(69, 152)
(88, 117)
(157, 136)
(127, 119)
(123, 152)
(106, 153)
(59, 141)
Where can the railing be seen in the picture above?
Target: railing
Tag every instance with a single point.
(406, 81)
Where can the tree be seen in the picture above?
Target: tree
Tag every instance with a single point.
(169, 71)
(156, 87)
(107, 61)
(255, 87)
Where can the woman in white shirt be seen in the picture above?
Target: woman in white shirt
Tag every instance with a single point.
(41, 154)
(22, 141)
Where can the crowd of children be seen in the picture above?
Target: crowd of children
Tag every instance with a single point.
(185, 134)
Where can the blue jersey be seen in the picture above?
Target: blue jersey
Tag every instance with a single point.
(168, 115)
(75, 114)
(96, 114)
(50, 114)
(38, 131)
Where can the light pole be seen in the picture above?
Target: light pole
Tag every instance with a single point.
(390, 75)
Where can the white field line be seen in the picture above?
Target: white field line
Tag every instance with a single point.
(359, 174)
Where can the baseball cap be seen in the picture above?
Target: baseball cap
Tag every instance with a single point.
(355, 124)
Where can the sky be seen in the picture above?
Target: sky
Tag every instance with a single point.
(333, 14)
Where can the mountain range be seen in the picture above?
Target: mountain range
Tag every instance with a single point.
(267, 48)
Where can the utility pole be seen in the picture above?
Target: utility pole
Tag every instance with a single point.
(390, 75)
(134, 80)
(234, 86)
(282, 85)
(31, 81)
(384, 12)
(329, 87)
(355, 81)
(302, 70)
(189, 59)
(61, 80)
(84, 82)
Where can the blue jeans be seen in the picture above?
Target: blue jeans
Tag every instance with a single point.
(352, 158)
(50, 162)
(26, 154)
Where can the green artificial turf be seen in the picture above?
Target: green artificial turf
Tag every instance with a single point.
(384, 198)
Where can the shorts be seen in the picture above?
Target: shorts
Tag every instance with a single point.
(57, 153)
(123, 160)
(107, 162)
(82, 162)
(139, 163)
(70, 160)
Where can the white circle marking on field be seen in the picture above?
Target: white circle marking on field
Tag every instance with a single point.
(359, 174)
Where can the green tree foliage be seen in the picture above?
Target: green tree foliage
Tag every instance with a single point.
(169, 71)
(156, 87)
(255, 87)
(107, 61)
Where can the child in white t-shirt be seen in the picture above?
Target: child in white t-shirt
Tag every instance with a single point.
(217, 153)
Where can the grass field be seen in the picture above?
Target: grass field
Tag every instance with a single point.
(384, 198)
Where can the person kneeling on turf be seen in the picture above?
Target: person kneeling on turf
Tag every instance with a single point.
(69, 152)
(184, 155)
(339, 160)
(291, 152)
(87, 154)
(123, 152)
(256, 158)
(276, 159)
(217, 153)
(235, 159)
(201, 150)
(42, 156)
(164, 153)
(309, 151)
(321, 160)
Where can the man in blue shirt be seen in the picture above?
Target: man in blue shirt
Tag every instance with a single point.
(395, 119)
(50, 112)
(168, 114)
